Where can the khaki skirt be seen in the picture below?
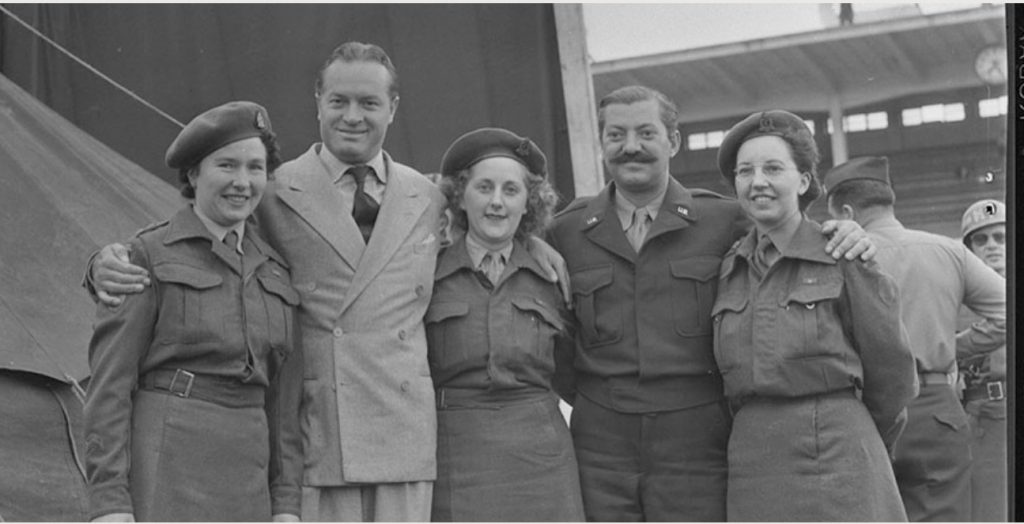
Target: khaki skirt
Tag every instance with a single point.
(506, 462)
(815, 458)
(194, 460)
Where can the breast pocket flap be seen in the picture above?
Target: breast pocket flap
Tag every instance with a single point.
(540, 308)
(808, 294)
(701, 269)
(587, 281)
(276, 287)
(733, 302)
(187, 275)
(445, 310)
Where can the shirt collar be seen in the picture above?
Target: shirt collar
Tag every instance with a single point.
(477, 251)
(625, 209)
(218, 231)
(337, 168)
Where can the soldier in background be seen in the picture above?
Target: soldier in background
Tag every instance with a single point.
(936, 276)
(983, 229)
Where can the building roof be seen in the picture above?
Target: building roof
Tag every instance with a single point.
(855, 64)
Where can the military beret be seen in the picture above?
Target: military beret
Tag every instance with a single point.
(215, 129)
(490, 142)
(861, 168)
(764, 123)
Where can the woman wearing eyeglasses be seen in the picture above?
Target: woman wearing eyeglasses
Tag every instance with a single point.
(815, 361)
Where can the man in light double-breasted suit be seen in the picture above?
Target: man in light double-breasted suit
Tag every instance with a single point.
(368, 415)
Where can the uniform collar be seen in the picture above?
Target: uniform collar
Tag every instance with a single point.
(677, 201)
(336, 168)
(218, 231)
(477, 252)
(456, 257)
(808, 243)
(186, 224)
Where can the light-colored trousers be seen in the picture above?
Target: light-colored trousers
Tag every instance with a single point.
(393, 502)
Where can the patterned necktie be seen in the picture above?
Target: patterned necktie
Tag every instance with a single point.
(637, 231)
(364, 207)
(492, 266)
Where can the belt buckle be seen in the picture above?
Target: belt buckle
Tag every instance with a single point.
(995, 391)
(188, 387)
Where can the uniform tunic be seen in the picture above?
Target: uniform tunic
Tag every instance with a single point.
(817, 369)
(649, 422)
(504, 450)
(226, 444)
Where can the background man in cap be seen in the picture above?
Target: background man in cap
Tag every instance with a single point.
(935, 275)
(361, 233)
(983, 229)
(649, 422)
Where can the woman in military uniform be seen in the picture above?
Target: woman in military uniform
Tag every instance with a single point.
(504, 452)
(191, 413)
(816, 364)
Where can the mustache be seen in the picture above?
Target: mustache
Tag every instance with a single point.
(639, 156)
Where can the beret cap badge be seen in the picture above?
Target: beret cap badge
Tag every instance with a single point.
(260, 122)
(766, 125)
(523, 150)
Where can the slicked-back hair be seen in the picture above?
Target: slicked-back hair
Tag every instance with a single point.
(359, 52)
(861, 194)
(667, 109)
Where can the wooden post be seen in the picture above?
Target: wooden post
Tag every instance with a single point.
(580, 107)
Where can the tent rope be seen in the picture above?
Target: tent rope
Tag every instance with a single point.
(89, 67)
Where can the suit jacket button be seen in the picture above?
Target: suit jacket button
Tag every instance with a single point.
(405, 386)
(338, 332)
(419, 290)
(401, 334)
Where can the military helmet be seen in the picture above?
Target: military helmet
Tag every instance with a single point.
(980, 214)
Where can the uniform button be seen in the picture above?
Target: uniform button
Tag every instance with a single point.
(401, 334)
(419, 291)
(405, 386)
(338, 332)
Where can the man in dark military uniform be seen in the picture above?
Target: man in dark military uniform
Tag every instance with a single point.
(649, 422)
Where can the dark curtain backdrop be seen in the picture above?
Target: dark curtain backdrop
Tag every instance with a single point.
(460, 66)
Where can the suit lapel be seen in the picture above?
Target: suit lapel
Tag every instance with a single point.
(310, 193)
(400, 212)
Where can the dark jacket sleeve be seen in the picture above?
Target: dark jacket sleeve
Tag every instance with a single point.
(119, 344)
(284, 398)
(872, 319)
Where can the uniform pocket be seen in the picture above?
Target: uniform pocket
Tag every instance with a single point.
(183, 290)
(726, 316)
(441, 322)
(279, 299)
(694, 283)
(804, 313)
(598, 325)
(537, 321)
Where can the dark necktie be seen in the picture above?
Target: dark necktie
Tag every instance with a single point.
(364, 207)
